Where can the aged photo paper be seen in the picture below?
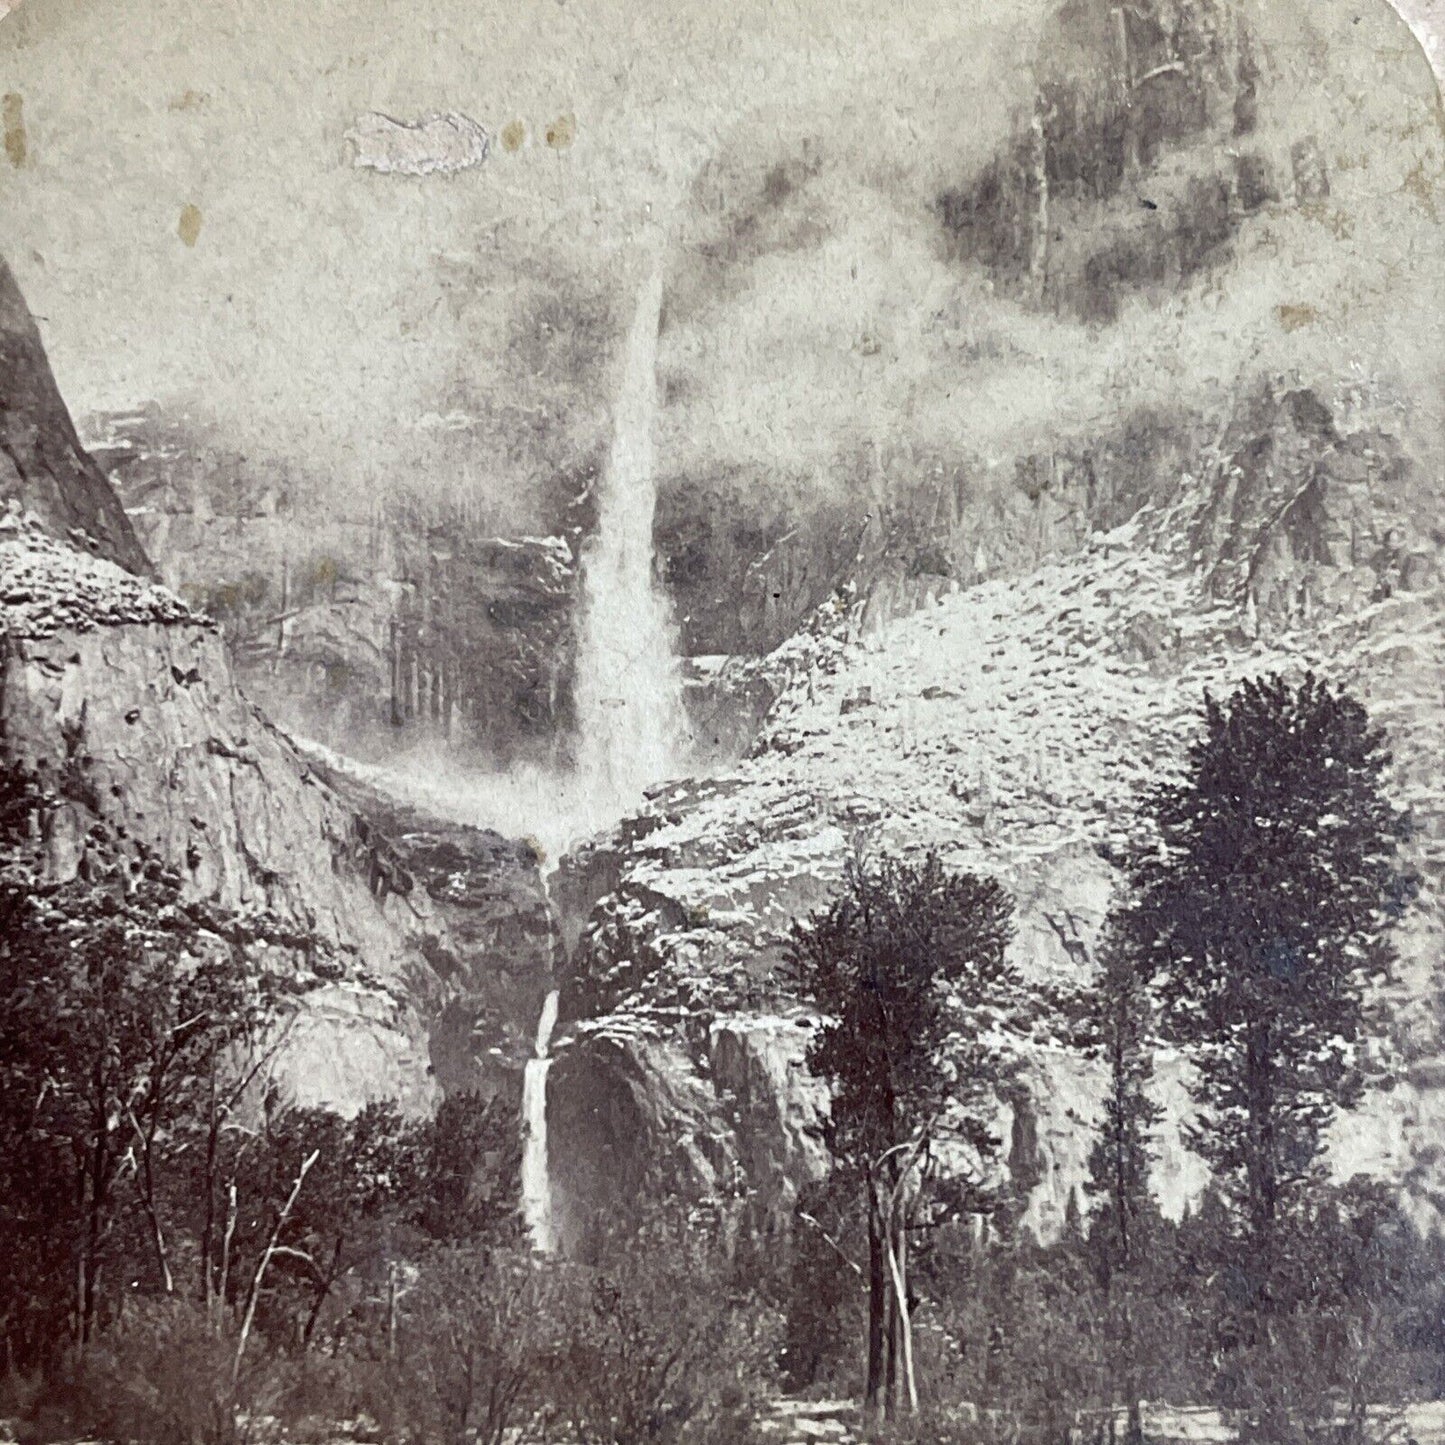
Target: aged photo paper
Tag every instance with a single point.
(722, 723)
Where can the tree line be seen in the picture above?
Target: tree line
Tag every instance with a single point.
(192, 1258)
(1250, 935)
(187, 1257)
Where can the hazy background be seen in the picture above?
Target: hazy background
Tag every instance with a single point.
(371, 329)
(375, 324)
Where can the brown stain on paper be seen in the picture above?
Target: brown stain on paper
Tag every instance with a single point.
(189, 228)
(513, 134)
(1417, 184)
(12, 110)
(1296, 318)
(562, 132)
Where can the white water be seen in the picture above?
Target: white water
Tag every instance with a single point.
(632, 724)
(629, 689)
(631, 721)
(536, 1182)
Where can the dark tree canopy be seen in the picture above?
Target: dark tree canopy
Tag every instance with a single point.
(1119, 1182)
(1264, 912)
(138, 1157)
(898, 959)
(907, 964)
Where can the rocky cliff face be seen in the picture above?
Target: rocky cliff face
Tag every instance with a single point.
(42, 464)
(490, 939)
(1017, 343)
(125, 702)
(429, 954)
(1012, 724)
(1187, 198)
(425, 953)
(405, 622)
(425, 950)
(1137, 404)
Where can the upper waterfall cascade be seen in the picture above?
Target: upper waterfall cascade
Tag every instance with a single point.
(631, 721)
(632, 728)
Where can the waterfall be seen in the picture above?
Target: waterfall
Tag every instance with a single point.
(631, 722)
(536, 1184)
(629, 688)
(632, 725)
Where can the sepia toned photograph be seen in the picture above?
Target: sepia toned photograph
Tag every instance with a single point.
(722, 724)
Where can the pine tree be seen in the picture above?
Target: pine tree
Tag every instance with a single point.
(907, 964)
(1266, 911)
(1119, 1162)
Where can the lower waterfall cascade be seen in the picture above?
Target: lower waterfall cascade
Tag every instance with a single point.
(536, 1182)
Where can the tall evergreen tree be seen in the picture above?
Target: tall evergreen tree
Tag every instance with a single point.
(907, 965)
(1119, 1162)
(1118, 1181)
(1265, 911)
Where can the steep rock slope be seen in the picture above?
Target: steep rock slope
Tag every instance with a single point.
(125, 703)
(424, 959)
(867, 390)
(124, 700)
(375, 622)
(1012, 725)
(42, 464)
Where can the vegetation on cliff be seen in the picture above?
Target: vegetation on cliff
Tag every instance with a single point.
(1254, 934)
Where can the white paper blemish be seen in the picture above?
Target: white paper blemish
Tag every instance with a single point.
(435, 145)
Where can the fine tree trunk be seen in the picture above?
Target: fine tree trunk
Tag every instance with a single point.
(227, 1236)
(99, 1170)
(146, 1187)
(1126, 85)
(323, 1292)
(158, 1243)
(898, 1265)
(1135, 1431)
(1261, 1174)
(877, 1305)
(208, 1227)
(1039, 250)
(890, 1361)
(254, 1293)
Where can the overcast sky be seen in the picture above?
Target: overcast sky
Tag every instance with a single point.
(190, 229)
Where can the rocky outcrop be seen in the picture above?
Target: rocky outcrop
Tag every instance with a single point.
(130, 712)
(424, 949)
(637, 1113)
(1153, 97)
(1287, 502)
(1013, 725)
(43, 467)
(491, 941)
(432, 946)
(758, 1066)
(1297, 516)
(409, 621)
(1162, 204)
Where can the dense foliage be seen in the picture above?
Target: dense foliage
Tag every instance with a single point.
(1251, 934)
(1264, 918)
(191, 1259)
(907, 965)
